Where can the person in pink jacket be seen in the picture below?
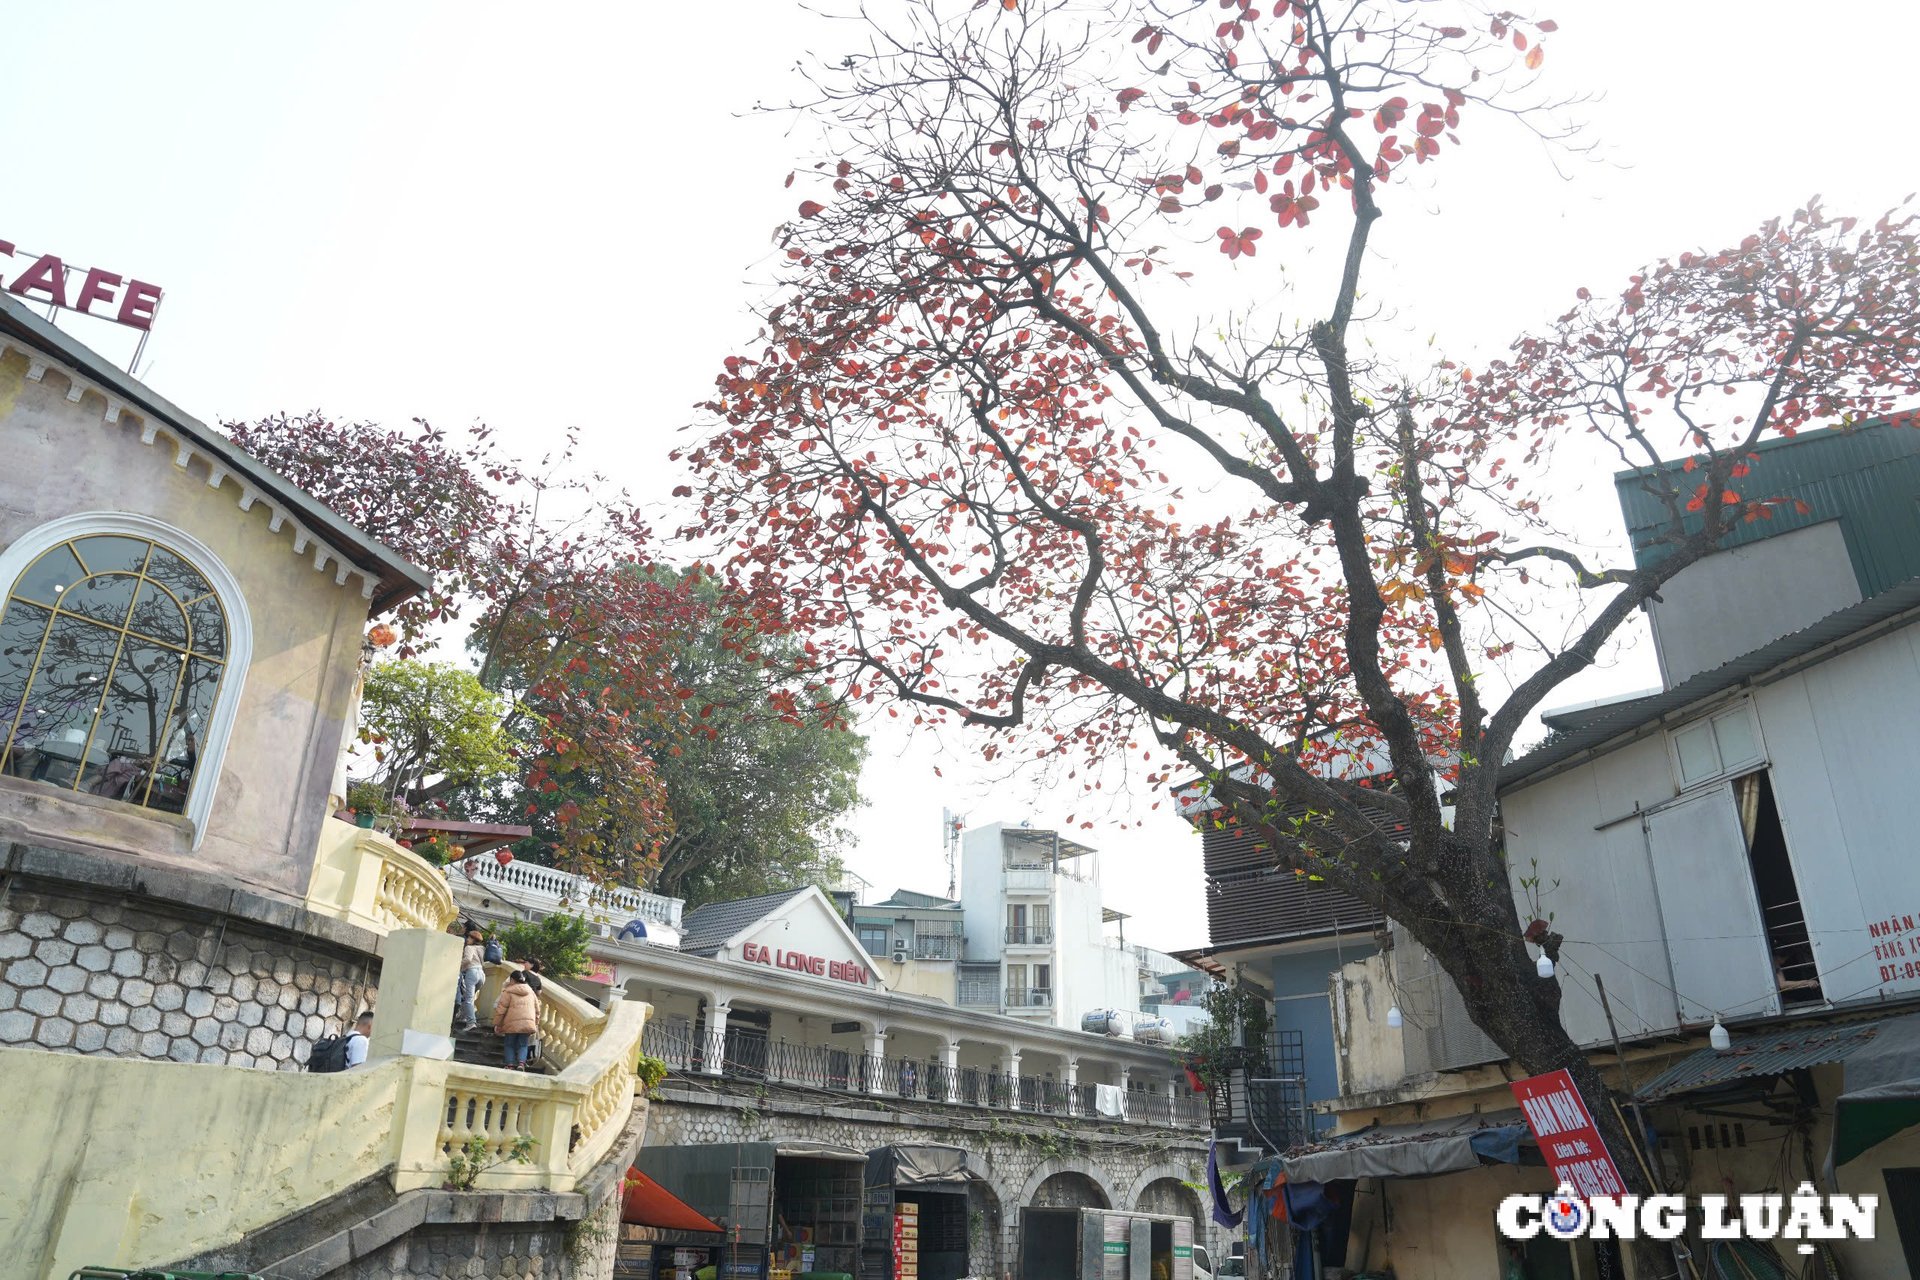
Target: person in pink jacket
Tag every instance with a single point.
(516, 1016)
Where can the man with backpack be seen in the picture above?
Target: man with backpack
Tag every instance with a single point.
(338, 1053)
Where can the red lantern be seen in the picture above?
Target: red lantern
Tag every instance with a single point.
(503, 857)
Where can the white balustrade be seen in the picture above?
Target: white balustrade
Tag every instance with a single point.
(555, 887)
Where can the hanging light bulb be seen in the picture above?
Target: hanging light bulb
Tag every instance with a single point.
(1718, 1037)
(1544, 965)
(1393, 1016)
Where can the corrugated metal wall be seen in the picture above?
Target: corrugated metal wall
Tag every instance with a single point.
(1248, 900)
(1439, 1036)
(1868, 479)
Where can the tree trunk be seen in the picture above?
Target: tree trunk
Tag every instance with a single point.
(1520, 1011)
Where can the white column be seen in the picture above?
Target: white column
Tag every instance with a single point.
(1013, 1079)
(716, 1049)
(1072, 1078)
(1126, 1098)
(953, 1071)
(876, 1051)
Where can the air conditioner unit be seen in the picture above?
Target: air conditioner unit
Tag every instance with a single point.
(899, 955)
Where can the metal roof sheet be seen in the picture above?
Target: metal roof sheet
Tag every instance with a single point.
(1865, 477)
(1762, 1053)
(399, 577)
(1647, 713)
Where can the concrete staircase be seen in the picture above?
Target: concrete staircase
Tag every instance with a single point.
(480, 1047)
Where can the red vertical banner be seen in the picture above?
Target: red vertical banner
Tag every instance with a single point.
(1568, 1138)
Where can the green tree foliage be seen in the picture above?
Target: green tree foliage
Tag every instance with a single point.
(1209, 1048)
(433, 722)
(558, 942)
(757, 787)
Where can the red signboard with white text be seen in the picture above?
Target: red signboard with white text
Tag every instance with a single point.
(1568, 1138)
(43, 277)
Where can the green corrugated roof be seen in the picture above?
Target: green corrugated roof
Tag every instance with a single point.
(1867, 478)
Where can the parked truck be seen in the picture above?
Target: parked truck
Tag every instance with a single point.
(1104, 1244)
(916, 1225)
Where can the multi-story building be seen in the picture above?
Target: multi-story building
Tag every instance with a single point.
(1280, 935)
(1036, 945)
(1727, 856)
(914, 940)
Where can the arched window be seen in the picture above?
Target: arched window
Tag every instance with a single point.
(117, 662)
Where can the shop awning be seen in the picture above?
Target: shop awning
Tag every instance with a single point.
(1416, 1150)
(670, 1220)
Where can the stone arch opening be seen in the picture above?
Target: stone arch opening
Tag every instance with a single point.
(1174, 1198)
(1069, 1189)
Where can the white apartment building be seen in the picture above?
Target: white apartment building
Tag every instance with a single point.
(1035, 945)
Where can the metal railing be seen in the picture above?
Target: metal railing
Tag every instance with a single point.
(746, 1055)
(936, 946)
(1020, 935)
(1259, 1093)
(1029, 998)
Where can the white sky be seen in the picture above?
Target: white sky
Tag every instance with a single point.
(557, 216)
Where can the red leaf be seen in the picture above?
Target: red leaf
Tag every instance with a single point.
(1534, 57)
(811, 208)
(1130, 96)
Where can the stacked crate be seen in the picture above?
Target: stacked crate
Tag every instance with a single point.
(906, 1241)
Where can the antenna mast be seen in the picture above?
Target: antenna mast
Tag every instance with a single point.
(950, 825)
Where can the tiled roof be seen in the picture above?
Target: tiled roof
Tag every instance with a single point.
(706, 929)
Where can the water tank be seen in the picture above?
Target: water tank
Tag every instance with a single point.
(1153, 1031)
(1105, 1022)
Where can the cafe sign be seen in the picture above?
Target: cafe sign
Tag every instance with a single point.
(92, 291)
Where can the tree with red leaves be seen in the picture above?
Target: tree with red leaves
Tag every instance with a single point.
(947, 459)
(552, 581)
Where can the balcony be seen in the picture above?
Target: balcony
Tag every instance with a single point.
(979, 986)
(528, 884)
(1019, 935)
(1029, 998)
(936, 946)
(1257, 1095)
(754, 1059)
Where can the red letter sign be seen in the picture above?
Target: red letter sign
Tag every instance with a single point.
(1568, 1139)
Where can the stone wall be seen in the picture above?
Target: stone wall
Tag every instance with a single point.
(559, 1250)
(85, 972)
(1014, 1161)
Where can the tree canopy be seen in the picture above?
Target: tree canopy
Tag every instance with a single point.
(949, 457)
(602, 668)
(432, 722)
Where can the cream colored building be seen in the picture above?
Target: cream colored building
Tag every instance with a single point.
(181, 919)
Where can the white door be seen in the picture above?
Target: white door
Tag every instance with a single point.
(1710, 911)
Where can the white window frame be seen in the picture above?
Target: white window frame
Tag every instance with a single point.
(35, 542)
(1759, 760)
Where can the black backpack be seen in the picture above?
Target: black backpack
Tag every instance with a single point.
(329, 1054)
